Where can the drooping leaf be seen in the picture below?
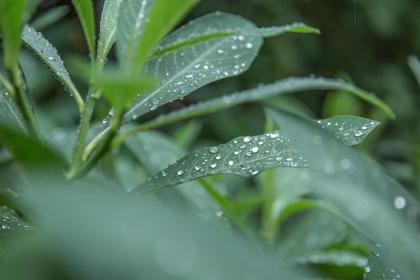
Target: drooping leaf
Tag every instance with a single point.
(11, 223)
(143, 24)
(375, 205)
(11, 21)
(50, 17)
(221, 46)
(247, 156)
(84, 9)
(108, 27)
(289, 85)
(43, 49)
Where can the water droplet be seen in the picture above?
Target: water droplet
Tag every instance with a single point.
(231, 163)
(249, 45)
(214, 150)
(213, 165)
(255, 149)
(247, 139)
(400, 202)
(180, 172)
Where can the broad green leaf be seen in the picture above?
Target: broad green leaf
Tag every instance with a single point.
(376, 268)
(414, 64)
(375, 205)
(11, 21)
(143, 24)
(108, 27)
(9, 112)
(46, 52)
(50, 17)
(207, 49)
(11, 223)
(84, 9)
(247, 156)
(289, 85)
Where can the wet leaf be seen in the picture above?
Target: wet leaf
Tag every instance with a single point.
(11, 223)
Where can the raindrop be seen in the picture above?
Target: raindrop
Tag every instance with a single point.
(255, 149)
(247, 139)
(231, 163)
(213, 165)
(248, 45)
(214, 150)
(400, 202)
(180, 172)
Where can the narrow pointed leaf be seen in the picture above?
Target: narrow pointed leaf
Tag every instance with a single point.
(108, 27)
(84, 9)
(11, 223)
(9, 112)
(46, 52)
(144, 23)
(289, 85)
(247, 156)
(50, 17)
(209, 27)
(377, 269)
(11, 21)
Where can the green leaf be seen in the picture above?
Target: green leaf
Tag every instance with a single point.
(376, 268)
(350, 130)
(46, 52)
(108, 27)
(35, 158)
(375, 204)
(84, 9)
(247, 156)
(207, 49)
(156, 152)
(9, 112)
(143, 24)
(11, 21)
(414, 64)
(50, 17)
(289, 85)
(11, 223)
(335, 257)
(209, 27)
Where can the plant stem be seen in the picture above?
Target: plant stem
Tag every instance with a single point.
(83, 130)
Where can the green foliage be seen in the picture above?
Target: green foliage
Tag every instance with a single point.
(97, 194)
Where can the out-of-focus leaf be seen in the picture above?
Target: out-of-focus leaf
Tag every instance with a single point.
(143, 24)
(50, 17)
(10, 222)
(84, 9)
(108, 27)
(414, 64)
(335, 257)
(11, 21)
(289, 85)
(376, 205)
(43, 49)
(33, 157)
